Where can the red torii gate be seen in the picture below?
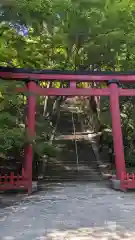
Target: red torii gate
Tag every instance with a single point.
(30, 77)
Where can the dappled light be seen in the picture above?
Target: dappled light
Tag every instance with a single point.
(70, 211)
(110, 231)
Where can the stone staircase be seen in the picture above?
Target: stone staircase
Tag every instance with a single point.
(65, 167)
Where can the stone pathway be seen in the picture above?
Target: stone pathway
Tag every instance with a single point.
(72, 212)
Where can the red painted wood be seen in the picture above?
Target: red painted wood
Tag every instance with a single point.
(12, 178)
(72, 91)
(116, 130)
(13, 182)
(127, 181)
(72, 85)
(31, 109)
(63, 77)
(127, 92)
(67, 91)
(132, 176)
(77, 92)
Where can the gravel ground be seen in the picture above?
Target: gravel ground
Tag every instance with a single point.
(72, 212)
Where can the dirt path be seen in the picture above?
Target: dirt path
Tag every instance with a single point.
(72, 212)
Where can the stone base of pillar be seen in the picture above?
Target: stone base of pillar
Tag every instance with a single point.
(115, 184)
(34, 186)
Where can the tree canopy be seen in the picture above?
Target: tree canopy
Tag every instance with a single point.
(69, 34)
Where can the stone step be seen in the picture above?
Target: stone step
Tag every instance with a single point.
(89, 176)
(74, 172)
(65, 139)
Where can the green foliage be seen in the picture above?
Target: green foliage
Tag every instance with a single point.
(130, 159)
(66, 34)
(11, 131)
(93, 34)
(44, 148)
